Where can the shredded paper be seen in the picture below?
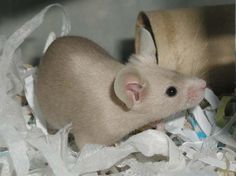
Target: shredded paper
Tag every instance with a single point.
(200, 141)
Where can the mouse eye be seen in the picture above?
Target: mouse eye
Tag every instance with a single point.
(171, 91)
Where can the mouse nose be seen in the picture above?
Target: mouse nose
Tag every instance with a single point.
(202, 84)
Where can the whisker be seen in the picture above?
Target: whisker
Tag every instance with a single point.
(192, 43)
(203, 74)
(196, 62)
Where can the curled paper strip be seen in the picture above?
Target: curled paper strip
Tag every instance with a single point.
(205, 149)
(50, 147)
(17, 148)
(149, 143)
(12, 128)
(17, 38)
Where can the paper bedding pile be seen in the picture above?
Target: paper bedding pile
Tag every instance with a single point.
(194, 144)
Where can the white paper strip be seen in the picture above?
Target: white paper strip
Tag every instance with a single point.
(149, 143)
(17, 38)
(50, 39)
(17, 149)
(212, 98)
(10, 114)
(50, 149)
(202, 120)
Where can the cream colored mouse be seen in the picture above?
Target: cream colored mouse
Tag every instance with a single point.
(105, 100)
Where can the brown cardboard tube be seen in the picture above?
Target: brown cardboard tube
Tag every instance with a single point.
(195, 41)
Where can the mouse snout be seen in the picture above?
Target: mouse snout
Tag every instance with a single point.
(202, 84)
(196, 92)
(198, 86)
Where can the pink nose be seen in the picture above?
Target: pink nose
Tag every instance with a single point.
(202, 84)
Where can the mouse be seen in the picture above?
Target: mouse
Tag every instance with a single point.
(78, 82)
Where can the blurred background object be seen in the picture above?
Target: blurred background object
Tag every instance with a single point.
(196, 41)
(110, 23)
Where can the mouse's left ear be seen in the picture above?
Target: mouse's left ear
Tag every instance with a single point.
(147, 46)
(130, 86)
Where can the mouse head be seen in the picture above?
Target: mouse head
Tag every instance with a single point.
(145, 87)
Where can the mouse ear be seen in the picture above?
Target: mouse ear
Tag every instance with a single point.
(147, 46)
(129, 86)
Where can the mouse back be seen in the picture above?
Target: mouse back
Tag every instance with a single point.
(73, 72)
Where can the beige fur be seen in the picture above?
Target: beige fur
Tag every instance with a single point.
(76, 84)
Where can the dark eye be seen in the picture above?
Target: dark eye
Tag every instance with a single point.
(171, 91)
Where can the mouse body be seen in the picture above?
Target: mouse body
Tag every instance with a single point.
(105, 100)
